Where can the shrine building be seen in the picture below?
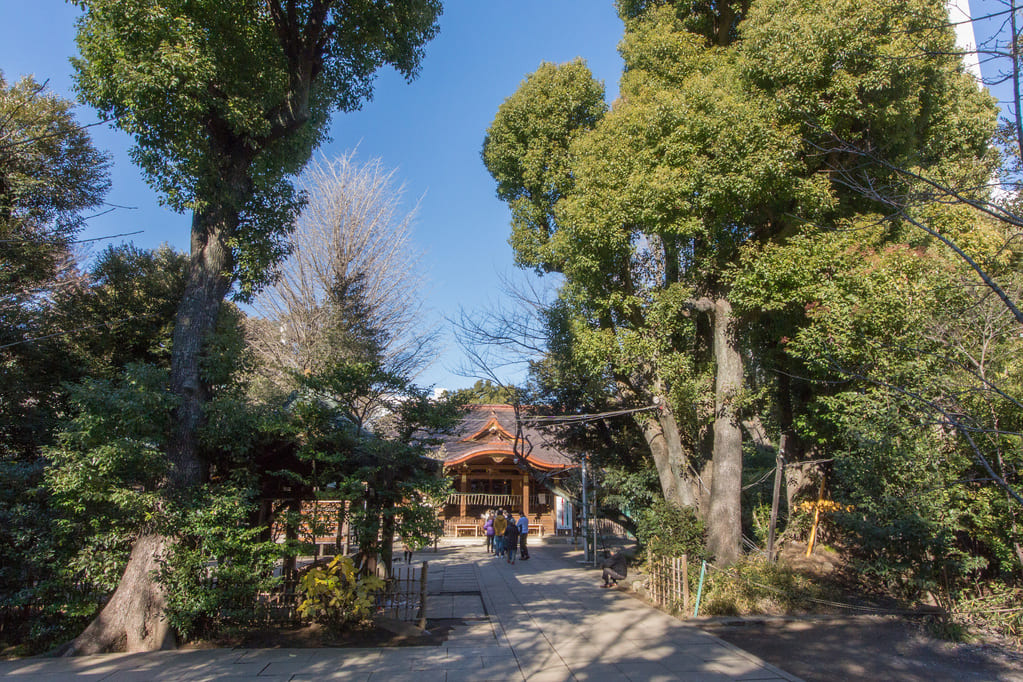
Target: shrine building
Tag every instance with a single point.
(490, 468)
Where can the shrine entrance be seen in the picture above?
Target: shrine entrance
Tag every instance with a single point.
(489, 470)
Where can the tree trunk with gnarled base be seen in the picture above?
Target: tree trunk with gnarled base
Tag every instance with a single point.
(199, 130)
(133, 619)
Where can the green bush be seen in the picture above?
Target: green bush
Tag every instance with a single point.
(669, 530)
(213, 574)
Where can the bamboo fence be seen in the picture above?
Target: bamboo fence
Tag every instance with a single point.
(668, 582)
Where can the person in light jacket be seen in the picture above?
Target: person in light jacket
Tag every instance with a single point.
(500, 523)
(488, 530)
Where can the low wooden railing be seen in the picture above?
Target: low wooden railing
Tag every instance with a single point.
(485, 500)
(668, 582)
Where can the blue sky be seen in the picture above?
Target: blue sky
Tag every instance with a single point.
(430, 131)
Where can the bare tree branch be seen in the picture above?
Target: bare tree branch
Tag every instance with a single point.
(507, 336)
(352, 229)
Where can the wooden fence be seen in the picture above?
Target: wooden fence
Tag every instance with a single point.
(279, 607)
(607, 527)
(668, 585)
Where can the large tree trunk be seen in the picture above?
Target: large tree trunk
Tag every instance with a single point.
(133, 620)
(673, 463)
(724, 516)
(205, 290)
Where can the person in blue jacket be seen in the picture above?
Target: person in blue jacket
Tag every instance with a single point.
(523, 525)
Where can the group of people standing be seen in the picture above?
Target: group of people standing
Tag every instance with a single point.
(506, 535)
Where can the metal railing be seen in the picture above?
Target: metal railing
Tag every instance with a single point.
(404, 597)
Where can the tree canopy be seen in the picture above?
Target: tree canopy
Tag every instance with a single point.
(731, 135)
(225, 101)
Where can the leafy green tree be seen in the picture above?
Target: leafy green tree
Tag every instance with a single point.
(105, 476)
(49, 174)
(123, 311)
(712, 152)
(898, 306)
(226, 100)
(527, 151)
(486, 392)
(918, 415)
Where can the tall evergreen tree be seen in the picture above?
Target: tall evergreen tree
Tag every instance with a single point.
(225, 100)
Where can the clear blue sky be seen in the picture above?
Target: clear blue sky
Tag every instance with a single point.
(431, 131)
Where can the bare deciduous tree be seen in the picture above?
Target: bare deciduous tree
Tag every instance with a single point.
(353, 230)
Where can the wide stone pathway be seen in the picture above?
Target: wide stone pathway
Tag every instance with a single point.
(545, 619)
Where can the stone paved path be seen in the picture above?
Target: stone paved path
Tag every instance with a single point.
(541, 620)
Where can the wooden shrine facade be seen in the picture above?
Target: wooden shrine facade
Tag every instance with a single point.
(490, 468)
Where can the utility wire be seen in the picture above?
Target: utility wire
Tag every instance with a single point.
(582, 418)
(70, 241)
(78, 329)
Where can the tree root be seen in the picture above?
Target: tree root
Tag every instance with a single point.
(134, 620)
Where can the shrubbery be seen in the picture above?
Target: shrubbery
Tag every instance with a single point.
(336, 597)
(669, 530)
(215, 571)
(755, 585)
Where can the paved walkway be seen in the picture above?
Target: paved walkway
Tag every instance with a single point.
(544, 619)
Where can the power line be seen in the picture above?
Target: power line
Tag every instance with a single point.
(582, 418)
(70, 241)
(78, 329)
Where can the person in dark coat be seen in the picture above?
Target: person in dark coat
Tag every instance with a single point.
(615, 568)
(511, 541)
